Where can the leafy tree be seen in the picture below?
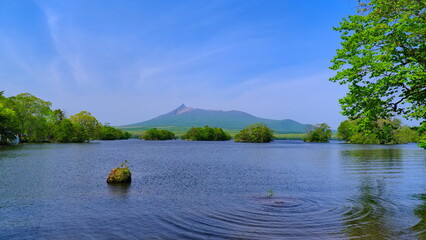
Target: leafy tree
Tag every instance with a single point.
(8, 125)
(158, 134)
(321, 133)
(59, 115)
(383, 60)
(258, 132)
(33, 116)
(111, 133)
(206, 133)
(422, 144)
(422, 131)
(381, 131)
(64, 131)
(405, 134)
(8, 122)
(87, 125)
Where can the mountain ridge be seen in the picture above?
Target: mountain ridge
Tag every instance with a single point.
(187, 117)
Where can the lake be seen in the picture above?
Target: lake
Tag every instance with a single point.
(213, 190)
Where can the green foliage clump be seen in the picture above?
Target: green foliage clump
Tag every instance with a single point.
(381, 131)
(111, 133)
(422, 131)
(257, 133)
(158, 134)
(32, 120)
(33, 116)
(8, 122)
(206, 133)
(422, 144)
(382, 59)
(321, 133)
(88, 124)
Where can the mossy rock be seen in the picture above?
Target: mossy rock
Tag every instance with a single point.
(119, 175)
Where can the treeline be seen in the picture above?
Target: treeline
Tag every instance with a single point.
(380, 131)
(31, 119)
(254, 133)
(367, 131)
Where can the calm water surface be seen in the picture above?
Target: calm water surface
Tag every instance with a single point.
(213, 190)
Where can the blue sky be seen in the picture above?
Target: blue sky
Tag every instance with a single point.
(129, 61)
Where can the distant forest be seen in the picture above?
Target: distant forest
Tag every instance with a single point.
(26, 118)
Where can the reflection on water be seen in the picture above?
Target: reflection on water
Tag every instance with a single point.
(370, 217)
(420, 212)
(374, 154)
(386, 160)
(119, 189)
(213, 190)
(375, 214)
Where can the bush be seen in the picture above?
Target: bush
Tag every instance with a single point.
(321, 133)
(158, 134)
(111, 133)
(206, 133)
(380, 131)
(258, 133)
(422, 144)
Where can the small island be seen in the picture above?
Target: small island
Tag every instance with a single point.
(256, 133)
(120, 175)
(206, 133)
(158, 134)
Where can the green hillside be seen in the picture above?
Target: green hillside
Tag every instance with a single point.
(183, 118)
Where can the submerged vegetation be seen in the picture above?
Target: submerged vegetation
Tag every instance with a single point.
(158, 134)
(258, 133)
(206, 133)
(32, 120)
(321, 133)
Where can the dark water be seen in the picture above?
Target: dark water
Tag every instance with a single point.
(213, 190)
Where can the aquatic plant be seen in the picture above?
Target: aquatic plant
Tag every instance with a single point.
(124, 164)
(270, 193)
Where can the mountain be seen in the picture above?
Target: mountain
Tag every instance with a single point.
(186, 117)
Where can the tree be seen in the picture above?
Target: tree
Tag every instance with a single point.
(8, 122)
(383, 60)
(59, 115)
(111, 133)
(422, 131)
(206, 133)
(321, 133)
(158, 134)
(64, 131)
(8, 125)
(33, 116)
(258, 132)
(87, 125)
(381, 131)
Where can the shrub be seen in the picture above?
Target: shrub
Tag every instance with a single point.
(321, 133)
(158, 134)
(258, 133)
(206, 133)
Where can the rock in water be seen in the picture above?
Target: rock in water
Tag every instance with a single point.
(119, 175)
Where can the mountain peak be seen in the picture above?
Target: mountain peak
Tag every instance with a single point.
(187, 117)
(181, 109)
